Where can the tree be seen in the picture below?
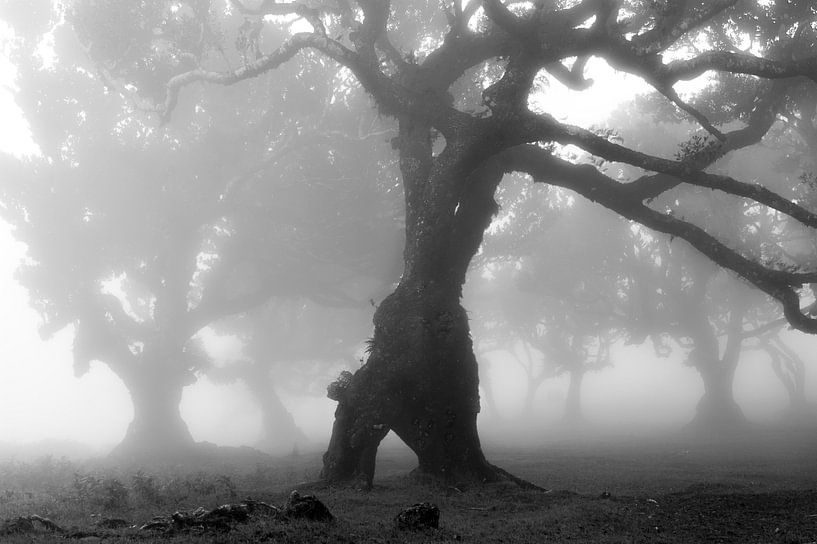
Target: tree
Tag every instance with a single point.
(707, 311)
(140, 239)
(561, 275)
(790, 368)
(295, 345)
(458, 88)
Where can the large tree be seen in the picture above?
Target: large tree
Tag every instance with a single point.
(140, 238)
(292, 345)
(457, 78)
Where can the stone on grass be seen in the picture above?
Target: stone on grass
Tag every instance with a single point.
(419, 516)
(306, 507)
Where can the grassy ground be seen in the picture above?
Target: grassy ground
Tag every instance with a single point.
(759, 487)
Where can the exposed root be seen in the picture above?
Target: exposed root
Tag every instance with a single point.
(524, 484)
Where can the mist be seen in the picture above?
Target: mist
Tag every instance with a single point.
(246, 246)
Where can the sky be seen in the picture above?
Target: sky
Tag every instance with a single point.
(40, 397)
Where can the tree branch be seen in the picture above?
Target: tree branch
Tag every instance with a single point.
(504, 18)
(596, 145)
(668, 30)
(271, 7)
(572, 78)
(670, 93)
(724, 61)
(592, 184)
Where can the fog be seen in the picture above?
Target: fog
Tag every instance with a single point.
(204, 274)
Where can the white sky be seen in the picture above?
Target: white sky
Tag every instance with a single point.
(40, 398)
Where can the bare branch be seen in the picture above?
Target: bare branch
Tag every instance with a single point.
(573, 78)
(502, 16)
(592, 184)
(670, 93)
(596, 145)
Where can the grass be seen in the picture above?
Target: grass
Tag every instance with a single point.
(758, 487)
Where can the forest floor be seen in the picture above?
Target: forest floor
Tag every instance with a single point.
(756, 487)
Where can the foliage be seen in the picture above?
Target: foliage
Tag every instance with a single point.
(139, 237)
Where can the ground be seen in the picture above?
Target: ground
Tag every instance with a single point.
(756, 487)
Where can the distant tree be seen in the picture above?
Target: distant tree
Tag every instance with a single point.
(140, 238)
(563, 286)
(690, 300)
(457, 79)
(790, 368)
(292, 345)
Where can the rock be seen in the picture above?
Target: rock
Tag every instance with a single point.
(221, 518)
(156, 524)
(419, 516)
(25, 524)
(259, 507)
(17, 526)
(306, 507)
(227, 513)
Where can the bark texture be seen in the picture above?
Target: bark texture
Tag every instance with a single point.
(421, 377)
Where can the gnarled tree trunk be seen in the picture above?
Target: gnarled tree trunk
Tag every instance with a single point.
(421, 379)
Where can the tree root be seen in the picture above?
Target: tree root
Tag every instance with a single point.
(521, 482)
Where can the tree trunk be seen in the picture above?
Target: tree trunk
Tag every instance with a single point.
(421, 378)
(279, 433)
(157, 428)
(421, 382)
(791, 370)
(717, 408)
(573, 402)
